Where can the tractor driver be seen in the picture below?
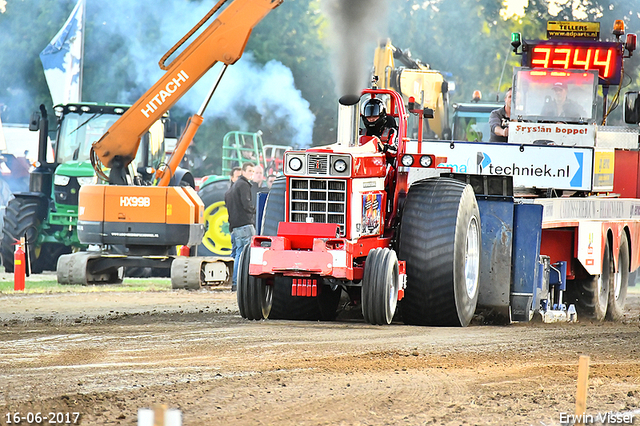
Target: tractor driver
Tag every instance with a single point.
(378, 123)
(384, 127)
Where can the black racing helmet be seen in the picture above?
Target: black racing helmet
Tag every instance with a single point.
(374, 107)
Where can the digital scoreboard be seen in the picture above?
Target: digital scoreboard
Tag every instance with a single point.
(603, 57)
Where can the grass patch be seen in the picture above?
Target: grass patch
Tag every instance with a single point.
(50, 285)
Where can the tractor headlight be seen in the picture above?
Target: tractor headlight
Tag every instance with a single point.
(340, 166)
(295, 164)
(407, 160)
(425, 161)
(60, 180)
(86, 180)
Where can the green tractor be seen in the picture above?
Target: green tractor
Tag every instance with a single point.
(237, 148)
(471, 121)
(47, 214)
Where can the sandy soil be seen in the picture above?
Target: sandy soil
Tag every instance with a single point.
(105, 355)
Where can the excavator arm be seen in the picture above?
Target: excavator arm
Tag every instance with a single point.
(224, 40)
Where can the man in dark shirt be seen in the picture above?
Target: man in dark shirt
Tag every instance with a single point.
(235, 173)
(499, 120)
(242, 213)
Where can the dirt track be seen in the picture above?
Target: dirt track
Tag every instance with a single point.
(105, 355)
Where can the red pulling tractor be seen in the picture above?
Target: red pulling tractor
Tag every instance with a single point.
(344, 216)
(396, 227)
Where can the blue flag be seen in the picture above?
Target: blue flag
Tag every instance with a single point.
(62, 59)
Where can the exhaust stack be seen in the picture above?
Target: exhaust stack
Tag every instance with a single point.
(348, 120)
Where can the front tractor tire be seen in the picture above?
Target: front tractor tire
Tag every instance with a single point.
(23, 216)
(440, 240)
(380, 285)
(254, 295)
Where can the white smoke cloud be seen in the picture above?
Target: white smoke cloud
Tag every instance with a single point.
(269, 88)
(355, 25)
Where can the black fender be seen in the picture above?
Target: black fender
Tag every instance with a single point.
(44, 203)
(182, 177)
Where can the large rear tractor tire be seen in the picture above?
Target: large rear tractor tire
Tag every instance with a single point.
(591, 294)
(254, 295)
(619, 284)
(22, 216)
(217, 238)
(440, 240)
(380, 286)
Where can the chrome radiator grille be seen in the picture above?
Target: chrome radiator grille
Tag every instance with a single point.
(324, 201)
(318, 164)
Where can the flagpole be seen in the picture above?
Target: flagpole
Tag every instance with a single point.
(84, 23)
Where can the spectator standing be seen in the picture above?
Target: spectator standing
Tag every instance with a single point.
(258, 181)
(236, 172)
(258, 176)
(242, 213)
(499, 120)
(270, 180)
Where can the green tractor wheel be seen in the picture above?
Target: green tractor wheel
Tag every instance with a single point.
(24, 217)
(217, 239)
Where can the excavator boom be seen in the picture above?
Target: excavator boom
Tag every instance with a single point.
(138, 226)
(224, 40)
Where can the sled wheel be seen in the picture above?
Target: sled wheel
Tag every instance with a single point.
(619, 283)
(592, 293)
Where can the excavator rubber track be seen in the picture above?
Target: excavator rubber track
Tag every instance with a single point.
(191, 273)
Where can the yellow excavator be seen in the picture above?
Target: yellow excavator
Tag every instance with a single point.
(417, 83)
(128, 225)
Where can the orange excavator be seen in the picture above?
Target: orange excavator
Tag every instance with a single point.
(129, 225)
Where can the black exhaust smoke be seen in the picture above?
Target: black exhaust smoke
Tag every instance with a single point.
(355, 27)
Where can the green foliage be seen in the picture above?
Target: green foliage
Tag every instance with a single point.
(468, 39)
